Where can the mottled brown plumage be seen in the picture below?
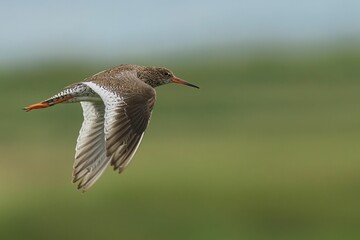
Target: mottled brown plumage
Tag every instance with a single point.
(117, 105)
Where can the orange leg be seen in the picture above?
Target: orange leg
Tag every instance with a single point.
(46, 104)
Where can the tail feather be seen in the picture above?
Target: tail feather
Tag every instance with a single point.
(75, 91)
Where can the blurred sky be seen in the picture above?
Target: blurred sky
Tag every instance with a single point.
(108, 28)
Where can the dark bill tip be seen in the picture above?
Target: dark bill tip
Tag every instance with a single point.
(180, 81)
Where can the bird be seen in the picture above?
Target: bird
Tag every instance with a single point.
(117, 105)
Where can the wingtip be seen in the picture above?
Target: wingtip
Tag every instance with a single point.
(81, 187)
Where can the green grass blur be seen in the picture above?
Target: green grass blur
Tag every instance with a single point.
(268, 148)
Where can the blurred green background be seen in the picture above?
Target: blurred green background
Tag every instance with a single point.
(267, 148)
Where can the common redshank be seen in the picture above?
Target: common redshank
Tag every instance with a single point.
(117, 105)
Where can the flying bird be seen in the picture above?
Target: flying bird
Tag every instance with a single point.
(117, 105)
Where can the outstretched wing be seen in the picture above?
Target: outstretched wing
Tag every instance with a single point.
(90, 157)
(128, 105)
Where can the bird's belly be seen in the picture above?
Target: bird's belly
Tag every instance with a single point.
(84, 99)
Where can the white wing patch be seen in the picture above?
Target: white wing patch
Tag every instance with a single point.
(90, 157)
(111, 101)
(112, 130)
(122, 141)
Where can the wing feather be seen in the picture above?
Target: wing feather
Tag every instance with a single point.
(90, 157)
(127, 114)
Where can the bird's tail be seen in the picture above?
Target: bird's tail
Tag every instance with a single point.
(69, 94)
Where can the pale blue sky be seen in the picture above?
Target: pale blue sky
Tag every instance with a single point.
(108, 28)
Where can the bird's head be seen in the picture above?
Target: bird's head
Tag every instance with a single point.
(156, 76)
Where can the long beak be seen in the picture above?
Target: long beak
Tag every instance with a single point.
(180, 81)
